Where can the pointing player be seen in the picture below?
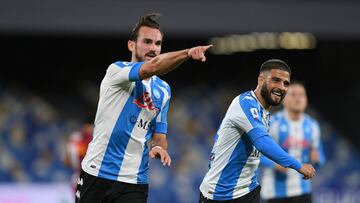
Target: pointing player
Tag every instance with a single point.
(243, 134)
(299, 135)
(132, 111)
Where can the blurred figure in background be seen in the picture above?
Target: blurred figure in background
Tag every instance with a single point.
(76, 148)
(299, 135)
(242, 135)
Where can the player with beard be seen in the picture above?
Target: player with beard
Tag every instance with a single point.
(243, 135)
(131, 119)
(299, 135)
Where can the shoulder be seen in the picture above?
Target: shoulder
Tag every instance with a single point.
(312, 121)
(245, 105)
(247, 100)
(124, 64)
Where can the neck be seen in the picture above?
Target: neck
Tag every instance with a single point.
(133, 59)
(261, 99)
(294, 115)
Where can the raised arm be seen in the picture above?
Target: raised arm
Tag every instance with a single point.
(167, 62)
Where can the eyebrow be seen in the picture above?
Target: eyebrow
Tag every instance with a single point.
(148, 39)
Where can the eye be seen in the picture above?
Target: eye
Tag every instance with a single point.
(158, 43)
(286, 83)
(147, 41)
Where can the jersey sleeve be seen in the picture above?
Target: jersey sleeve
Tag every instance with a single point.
(246, 116)
(124, 72)
(161, 119)
(266, 162)
(267, 146)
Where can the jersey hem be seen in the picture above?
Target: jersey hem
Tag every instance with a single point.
(119, 179)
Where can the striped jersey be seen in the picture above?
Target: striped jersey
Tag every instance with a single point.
(297, 138)
(233, 167)
(129, 111)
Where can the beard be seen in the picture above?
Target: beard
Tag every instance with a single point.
(266, 94)
(143, 58)
(138, 57)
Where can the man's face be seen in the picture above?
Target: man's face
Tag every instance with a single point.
(296, 99)
(147, 45)
(274, 86)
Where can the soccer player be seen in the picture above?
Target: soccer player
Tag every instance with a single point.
(299, 135)
(243, 134)
(132, 111)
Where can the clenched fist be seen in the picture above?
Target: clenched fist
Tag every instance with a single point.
(307, 170)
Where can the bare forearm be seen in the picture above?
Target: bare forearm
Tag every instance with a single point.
(167, 62)
(159, 142)
(164, 63)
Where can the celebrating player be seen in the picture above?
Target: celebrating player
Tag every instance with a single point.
(243, 134)
(132, 111)
(299, 135)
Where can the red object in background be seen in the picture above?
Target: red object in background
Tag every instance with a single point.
(76, 149)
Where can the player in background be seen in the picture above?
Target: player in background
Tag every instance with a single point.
(132, 111)
(76, 147)
(243, 134)
(299, 135)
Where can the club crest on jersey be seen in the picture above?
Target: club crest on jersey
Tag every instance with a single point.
(145, 102)
(254, 113)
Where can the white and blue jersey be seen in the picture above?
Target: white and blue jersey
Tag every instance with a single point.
(297, 138)
(233, 168)
(129, 111)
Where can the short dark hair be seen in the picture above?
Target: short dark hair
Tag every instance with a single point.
(275, 64)
(148, 20)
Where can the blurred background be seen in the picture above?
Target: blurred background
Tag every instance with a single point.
(54, 55)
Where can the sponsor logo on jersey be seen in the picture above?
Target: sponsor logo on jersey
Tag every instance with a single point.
(141, 123)
(291, 141)
(145, 102)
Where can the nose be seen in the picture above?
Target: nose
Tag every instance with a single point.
(283, 87)
(153, 47)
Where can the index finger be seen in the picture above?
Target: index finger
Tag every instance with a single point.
(167, 161)
(207, 47)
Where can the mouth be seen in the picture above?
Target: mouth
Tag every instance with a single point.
(277, 93)
(150, 55)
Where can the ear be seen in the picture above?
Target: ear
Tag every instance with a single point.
(261, 79)
(131, 45)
